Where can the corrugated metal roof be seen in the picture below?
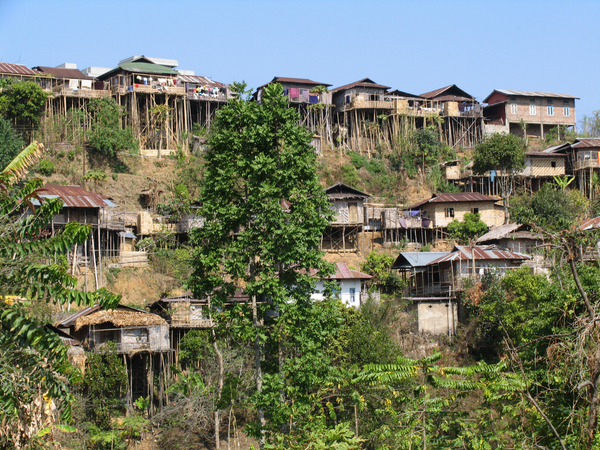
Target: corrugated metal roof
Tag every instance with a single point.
(59, 72)
(454, 198)
(343, 272)
(590, 224)
(488, 252)
(195, 79)
(499, 232)
(365, 82)
(74, 196)
(408, 260)
(16, 69)
(546, 154)
(341, 190)
(529, 94)
(294, 80)
(586, 143)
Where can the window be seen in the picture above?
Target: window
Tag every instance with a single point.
(532, 110)
(513, 99)
(550, 110)
(553, 164)
(565, 102)
(352, 295)
(513, 108)
(549, 101)
(449, 212)
(475, 210)
(566, 111)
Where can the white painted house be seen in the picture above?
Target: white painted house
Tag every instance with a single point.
(350, 285)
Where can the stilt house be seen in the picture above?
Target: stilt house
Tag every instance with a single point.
(351, 291)
(349, 218)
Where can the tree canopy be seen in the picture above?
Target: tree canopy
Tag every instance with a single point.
(470, 228)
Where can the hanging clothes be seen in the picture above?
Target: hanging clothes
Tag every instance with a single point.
(294, 92)
(492, 175)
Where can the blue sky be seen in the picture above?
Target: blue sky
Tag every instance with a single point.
(414, 46)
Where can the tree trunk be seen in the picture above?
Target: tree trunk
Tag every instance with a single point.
(219, 382)
(257, 357)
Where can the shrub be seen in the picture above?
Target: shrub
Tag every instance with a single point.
(46, 168)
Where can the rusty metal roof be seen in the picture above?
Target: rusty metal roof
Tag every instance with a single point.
(16, 69)
(343, 272)
(586, 143)
(480, 252)
(454, 198)
(195, 79)
(529, 94)
(590, 224)
(365, 82)
(74, 196)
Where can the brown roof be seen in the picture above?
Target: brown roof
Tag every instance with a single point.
(509, 92)
(74, 196)
(586, 143)
(454, 198)
(453, 93)
(479, 252)
(365, 82)
(295, 80)
(64, 73)
(16, 69)
(546, 154)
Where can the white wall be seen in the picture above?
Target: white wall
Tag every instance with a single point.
(346, 296)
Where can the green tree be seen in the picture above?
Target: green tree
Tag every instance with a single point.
(505, 154)
(11, 143)
(264, 215)
(23, 102)
(33, 360)
(469, 229)
(379, 266)
(107, 135)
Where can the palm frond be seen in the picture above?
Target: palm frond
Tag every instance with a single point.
(19, 166)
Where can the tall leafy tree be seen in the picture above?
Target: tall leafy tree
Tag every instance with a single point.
(505, 154)
(23, 102)
(107, 135)
(34, 368)
(264, 212)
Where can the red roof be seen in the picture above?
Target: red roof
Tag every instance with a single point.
(479, 252)
(74, 196)
(343, 272)
(365, 82)
(586, 143)
(590, 224)
(16, 69)
(454, 198)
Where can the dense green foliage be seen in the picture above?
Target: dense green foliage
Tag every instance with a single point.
(379, 266)
(468, 230)
(23, 102)
(550, 208)
(11, 143)
(33, 360)
(106, 134)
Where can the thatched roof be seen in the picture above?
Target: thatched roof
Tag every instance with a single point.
(120, 318)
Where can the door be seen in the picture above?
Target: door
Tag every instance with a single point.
(352, 212)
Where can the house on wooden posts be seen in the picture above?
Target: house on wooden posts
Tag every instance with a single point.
(528, 114)
(585, 157)
(430, 218)
(540, 167)
(299, 91)
(592, 252)
(140, 337)
(17, 72)
(434, 280)
(109, 241)
(462, 125)
(343, 232)
(66, 80)
(312, 100)
(184, 313)
(352, 291)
